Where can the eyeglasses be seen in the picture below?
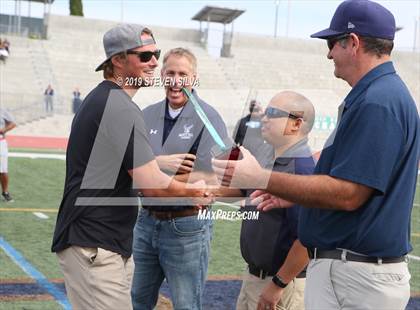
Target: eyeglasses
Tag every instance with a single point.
(332, 41)
(271, 112)
(146, 56)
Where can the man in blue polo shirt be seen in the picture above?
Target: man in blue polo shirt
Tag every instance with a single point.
(169, 240)
(356, 220)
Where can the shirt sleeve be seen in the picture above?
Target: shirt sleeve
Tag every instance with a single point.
(139, 151)
(303, 166)
(126, 131)
(369, 148)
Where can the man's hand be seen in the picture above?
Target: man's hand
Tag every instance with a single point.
(181, 163)
(244, 173)
(266, 202)
(201, 195)
(269, 297)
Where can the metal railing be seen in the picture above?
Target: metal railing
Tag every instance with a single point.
(10, 30)
(24, 107)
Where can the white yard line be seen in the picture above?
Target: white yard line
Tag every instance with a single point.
(37, 155)
(41, 215)
(230, 205)
(413, 257)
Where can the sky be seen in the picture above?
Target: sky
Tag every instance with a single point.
(303, 17)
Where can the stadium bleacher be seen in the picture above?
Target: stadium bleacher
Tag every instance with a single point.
(261, 63)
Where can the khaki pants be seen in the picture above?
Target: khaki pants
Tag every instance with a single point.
(96, 278)
(252, 286)
(335, 284)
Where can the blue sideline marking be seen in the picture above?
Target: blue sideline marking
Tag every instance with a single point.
(58, 295)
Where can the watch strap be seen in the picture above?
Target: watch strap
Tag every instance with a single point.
(278, 281)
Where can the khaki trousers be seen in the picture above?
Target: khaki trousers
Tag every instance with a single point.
(96, 279)
(252, 286)
(344, 285)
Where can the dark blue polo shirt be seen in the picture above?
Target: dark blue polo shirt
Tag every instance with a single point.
(376, 144)
(266, 242)
(184, 134)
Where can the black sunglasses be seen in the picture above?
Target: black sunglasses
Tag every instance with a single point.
(271, 112)
(332, 41)
(146, 56)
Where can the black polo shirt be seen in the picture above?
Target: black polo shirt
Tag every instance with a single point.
(99, 206)
(266, 242)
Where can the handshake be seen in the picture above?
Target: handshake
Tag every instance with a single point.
(234, 169)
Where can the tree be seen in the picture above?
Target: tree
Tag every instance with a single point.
(76, 7)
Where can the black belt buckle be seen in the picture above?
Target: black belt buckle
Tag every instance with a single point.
(312, 252)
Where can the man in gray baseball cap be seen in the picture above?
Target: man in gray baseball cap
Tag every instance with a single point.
(130, 39)
(108, 160)
(123, 38)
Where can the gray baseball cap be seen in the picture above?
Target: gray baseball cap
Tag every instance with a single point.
(123, 37)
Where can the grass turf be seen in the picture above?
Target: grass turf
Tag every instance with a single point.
(38, 183)
(30, 305)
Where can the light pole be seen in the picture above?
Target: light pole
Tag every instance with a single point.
(276, 20)
(416, 33)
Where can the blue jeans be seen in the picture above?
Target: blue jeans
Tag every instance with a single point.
(177, 250)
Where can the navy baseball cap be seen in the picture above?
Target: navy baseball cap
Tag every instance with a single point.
(363, 17)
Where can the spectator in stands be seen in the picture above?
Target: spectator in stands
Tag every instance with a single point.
(252, 120)
(357, 205)
(247, 132)
(7, 123)
(108, 158)
(77, 101)
(4, 53)
(49, 99)
(6, 45)
(276, 259)
(182, 145)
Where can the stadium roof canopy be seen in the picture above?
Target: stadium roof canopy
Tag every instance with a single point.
(217, 15)
(40, 1)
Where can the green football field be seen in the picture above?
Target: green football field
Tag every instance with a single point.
(38, 184)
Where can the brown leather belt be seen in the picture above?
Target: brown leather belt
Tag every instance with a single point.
(169, 215)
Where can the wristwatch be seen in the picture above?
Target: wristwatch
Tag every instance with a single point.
(277, 280)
